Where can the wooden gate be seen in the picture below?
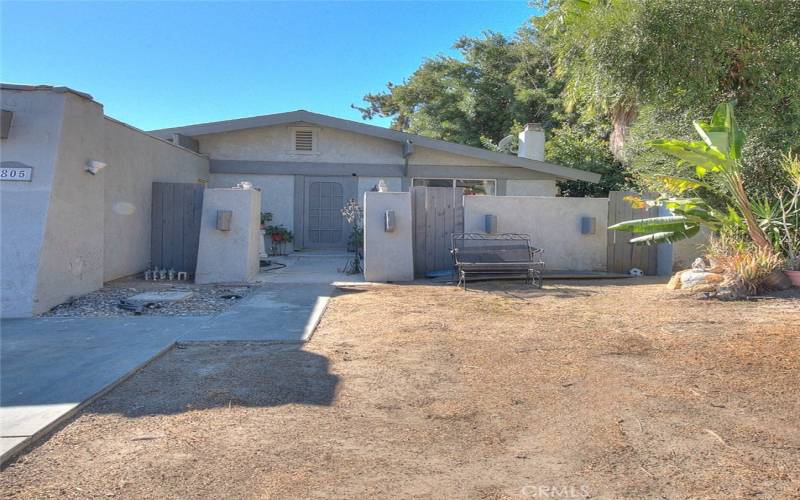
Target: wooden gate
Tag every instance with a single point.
(622, 256)
(175, 228)
(438, 212)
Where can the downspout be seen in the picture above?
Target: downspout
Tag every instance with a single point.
(408, 150)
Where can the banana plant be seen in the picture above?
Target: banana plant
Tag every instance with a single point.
(718, 155)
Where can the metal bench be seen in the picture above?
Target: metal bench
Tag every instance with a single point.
(496, 256)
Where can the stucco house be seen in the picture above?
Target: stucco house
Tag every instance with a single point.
(307, 165)
(76, 186)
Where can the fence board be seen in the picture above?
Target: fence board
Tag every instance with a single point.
(438, 212)
(622, 256)
(175, 225)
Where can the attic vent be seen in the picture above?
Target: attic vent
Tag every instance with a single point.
(304, 140)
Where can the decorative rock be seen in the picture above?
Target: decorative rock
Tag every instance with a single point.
(675, 281)
(700, 281)
(699, 264)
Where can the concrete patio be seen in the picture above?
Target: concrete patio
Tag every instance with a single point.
(49, 366)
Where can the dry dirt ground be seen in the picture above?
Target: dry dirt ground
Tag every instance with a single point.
(594, 389)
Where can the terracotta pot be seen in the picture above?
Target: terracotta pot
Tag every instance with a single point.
(794, 277)
(277, 237)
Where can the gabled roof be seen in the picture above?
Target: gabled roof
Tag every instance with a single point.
(303, 116)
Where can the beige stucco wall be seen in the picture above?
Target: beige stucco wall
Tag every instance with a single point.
(554, 225)
(277, 197)
(334, 146)
(388, 256)
(68, 231)
(395, 185)
(229, 256)
(522, 187)
(71, 261)
(277, 193)
(34, 141)
(136, 160)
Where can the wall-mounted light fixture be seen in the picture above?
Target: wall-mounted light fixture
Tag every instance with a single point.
(389, 221)
(408, 148)
(94, 166)
(224, 219)
(5, 123)
(490, 224)
(588, 225)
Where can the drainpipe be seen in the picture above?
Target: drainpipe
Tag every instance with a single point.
(408, 150)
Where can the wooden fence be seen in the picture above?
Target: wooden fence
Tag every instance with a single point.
(175, 229)
(438, 213)
(622, 256)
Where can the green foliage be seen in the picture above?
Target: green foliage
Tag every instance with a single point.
(779, 215)
(494, 83)
(572, 146)
(659, 229)
(653, 65)
(716, 164)
(619, 74)
(279, 233)
(488, 94)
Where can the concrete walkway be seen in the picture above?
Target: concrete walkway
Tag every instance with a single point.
(49, 366)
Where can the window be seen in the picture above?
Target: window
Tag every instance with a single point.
(470, 186)
(304, 140)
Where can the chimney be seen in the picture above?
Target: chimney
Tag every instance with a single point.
(531, 142)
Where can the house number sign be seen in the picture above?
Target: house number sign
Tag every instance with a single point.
(8, 173)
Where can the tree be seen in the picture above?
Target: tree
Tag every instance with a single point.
(496, 86)
(717, 164)
(495, 83)
(650, 64)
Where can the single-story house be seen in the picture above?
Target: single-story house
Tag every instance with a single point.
(307, 165)
(76, 185)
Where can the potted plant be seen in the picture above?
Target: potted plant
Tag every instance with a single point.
(279, 233)
(265, 217)
(781, 218)
(792, 270)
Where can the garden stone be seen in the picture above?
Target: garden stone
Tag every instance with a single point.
(700, 281)
(161, 296)
(675, 281)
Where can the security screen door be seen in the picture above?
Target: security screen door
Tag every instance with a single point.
(324, 225)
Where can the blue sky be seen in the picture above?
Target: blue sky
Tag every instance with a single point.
(157, 65)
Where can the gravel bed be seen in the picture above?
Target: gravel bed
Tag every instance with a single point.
(105, 302)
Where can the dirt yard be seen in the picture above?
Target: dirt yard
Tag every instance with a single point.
(599, 389)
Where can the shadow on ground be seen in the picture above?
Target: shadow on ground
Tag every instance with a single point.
(209, 375)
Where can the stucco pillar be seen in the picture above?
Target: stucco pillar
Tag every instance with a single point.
(229, 255)
(388, 254)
